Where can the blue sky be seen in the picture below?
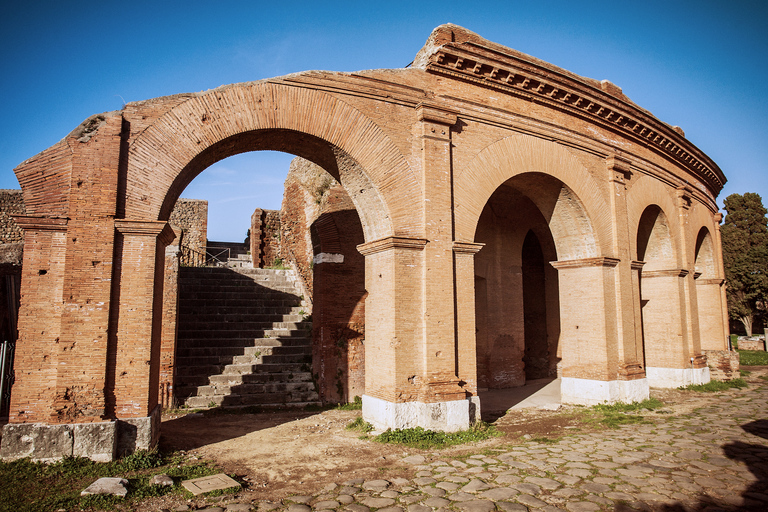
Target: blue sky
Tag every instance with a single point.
(701, 65)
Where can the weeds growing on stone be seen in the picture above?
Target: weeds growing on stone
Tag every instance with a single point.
(615, 415)
(430, 439)
(27, 486)
(716, 385)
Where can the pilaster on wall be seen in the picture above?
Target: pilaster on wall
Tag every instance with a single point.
(441, 382)
(710, 293)
(626, 285)
(39, 321)
(464, 261)
(140, 297)
(690, 303)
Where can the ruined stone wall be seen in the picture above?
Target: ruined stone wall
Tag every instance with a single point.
(320, 231)
(265, 237)
(723, 364)
(191, 216)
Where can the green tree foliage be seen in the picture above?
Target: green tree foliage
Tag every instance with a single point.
(745, 257)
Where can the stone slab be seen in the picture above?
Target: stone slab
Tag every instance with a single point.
(114, 486)
(209, 483)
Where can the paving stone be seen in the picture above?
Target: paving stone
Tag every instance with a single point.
(419, 508)
(544, 483)
(389, 494)
(377, 502)
(329, 504)
(349, 490)
(414, 459)
(475, 486)
(460, 496)
(456, 479)
(375, 485)
(507, 479)
(582, 506)
(239, 507)
(424, 474)
(424, 481)
(391, 509)
(300, 499)
(354, 507)
(527, 488)
(408, 500)
(476, 506)
(567, 479)
(436, 502)
(437, 490)
(505, 506)
(581, 473)
(568, 492)
(499, 493)
(298, 507)
(530, 501)
(448, 486)
(354, 482)
(345, 499)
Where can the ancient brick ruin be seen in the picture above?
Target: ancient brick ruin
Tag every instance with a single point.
(516, 221)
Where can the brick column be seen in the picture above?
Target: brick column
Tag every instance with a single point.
(169, 325)
(39, 322)
(138, 330)
(464, 262)
(591, 369)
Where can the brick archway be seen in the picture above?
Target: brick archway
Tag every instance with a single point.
(420, 151)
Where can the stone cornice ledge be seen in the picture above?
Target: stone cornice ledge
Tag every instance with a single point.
(159, 228)
(32, 223)
(601, 261)
(606, 105)
(391, 242)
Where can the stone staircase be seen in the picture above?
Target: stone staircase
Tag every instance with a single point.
(243, 340)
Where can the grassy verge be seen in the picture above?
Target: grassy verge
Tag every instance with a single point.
(27, 486)
(616, 415)
(716, 385)
(753, 357)
(430, 439)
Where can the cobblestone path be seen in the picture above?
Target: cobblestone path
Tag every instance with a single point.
(715, 458)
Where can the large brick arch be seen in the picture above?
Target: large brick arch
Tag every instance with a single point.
(650, 192)
(244, 117)
(571, 217)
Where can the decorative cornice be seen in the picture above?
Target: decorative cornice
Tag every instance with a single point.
(467, 247)
(512, 75)
(586, 262)
(636, 265)
(673, 272)
(157, 228)
(391, 242)
(32, 223)
(435, 114)
(718, 282)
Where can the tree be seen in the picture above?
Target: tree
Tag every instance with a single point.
(745, 257)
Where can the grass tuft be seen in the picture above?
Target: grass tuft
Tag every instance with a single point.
(430, 439)
(716, 385)
(357, 405)
(360, 425)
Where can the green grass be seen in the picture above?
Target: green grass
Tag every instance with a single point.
(430, 439)
(716, 385)
(753, 357)
(616, 415)
(357, 405)
(360, 425)
(744, 373)
(27, 486)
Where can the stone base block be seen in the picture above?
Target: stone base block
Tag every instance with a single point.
(100, 441)
(676, 377)
(449, 416)
(593, 392)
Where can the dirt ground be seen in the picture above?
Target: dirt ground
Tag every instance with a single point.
(295, 452)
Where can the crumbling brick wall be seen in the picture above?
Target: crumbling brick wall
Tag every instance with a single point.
(265, 237)
(723, 364)
(191, 216)
(320, 231)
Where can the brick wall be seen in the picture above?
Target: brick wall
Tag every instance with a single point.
(320, 231)
(191, 216)
(723, 364)
(265, 237)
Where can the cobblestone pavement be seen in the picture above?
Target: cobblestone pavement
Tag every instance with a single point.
(715, 458)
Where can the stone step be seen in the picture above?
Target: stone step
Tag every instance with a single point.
(267, 401)
(186, 384)
(233, 322)
(256, 311)
(236, 332)
(256, 388)
(215, 360)
(277, 305)
(250, 351)
(243, 343)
